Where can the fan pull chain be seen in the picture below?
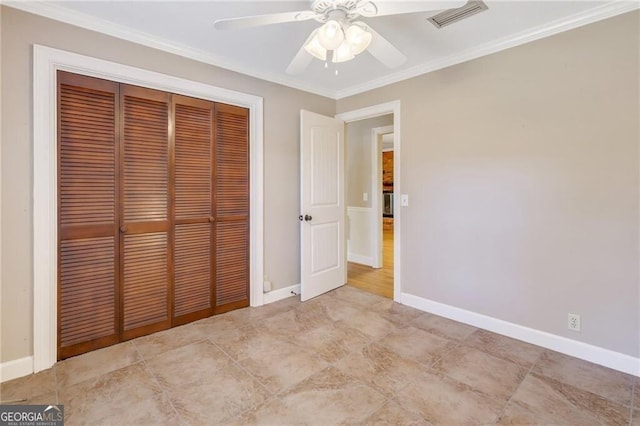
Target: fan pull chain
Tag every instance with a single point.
(333, 67)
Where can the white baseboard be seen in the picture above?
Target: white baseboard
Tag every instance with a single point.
(357, 258)
(281, 293)
(587, 352)
(17, 368)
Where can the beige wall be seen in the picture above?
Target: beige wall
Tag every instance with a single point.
(359, 158)
(281, 108)
(522, 170)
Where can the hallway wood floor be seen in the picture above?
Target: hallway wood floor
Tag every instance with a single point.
(377, 281)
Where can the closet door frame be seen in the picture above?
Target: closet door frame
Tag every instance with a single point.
(46, 63)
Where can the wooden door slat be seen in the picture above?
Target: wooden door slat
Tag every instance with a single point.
(232, 207)
(87, 214)
(193, 286)
(145, 205)
(193, 268)
(232, 160)
(96, 147)
(145, 279)
(78, 271)
(146, 157)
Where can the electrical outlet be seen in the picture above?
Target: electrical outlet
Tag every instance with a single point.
(365, 196)
(574, 322)
(266, 286)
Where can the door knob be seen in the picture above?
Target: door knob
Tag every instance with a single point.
(307, 217)
(212, 219)
(124, 229)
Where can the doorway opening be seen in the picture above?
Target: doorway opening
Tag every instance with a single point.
(370, 204)
(324, 194)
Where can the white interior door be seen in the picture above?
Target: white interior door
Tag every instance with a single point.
(322, 204)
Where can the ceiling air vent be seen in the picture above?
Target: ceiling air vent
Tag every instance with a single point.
(450, 16)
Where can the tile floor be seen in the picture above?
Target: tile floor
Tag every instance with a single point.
(347, 357)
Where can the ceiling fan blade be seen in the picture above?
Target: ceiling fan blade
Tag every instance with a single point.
(302, 59)
(384, 51)
(259, 20)
(371, 8)
(300, 62)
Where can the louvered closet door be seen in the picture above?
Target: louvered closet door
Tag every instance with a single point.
(87, 214)
(232, 207)
(193, 289)
(146, 228)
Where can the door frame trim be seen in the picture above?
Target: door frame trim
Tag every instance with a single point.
(46, 62)
(392, 107)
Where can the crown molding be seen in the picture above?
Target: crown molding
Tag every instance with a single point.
(56, 12)
(78, 19)
(609, 10)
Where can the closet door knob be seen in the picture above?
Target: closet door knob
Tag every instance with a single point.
(212, 219)
(124, 229)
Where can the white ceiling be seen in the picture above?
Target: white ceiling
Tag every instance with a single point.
(186, 27)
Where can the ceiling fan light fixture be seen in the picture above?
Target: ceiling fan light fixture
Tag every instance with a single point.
(315, 49)
(358, 38)
(330, 35)
(343, 53)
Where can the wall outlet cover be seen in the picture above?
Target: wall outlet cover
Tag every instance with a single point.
(574, 323)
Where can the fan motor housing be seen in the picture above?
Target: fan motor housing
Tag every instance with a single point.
(325, 7)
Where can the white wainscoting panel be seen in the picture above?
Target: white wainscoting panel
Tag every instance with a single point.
(360, 237)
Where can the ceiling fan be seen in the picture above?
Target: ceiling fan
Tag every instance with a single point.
(341, 36)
